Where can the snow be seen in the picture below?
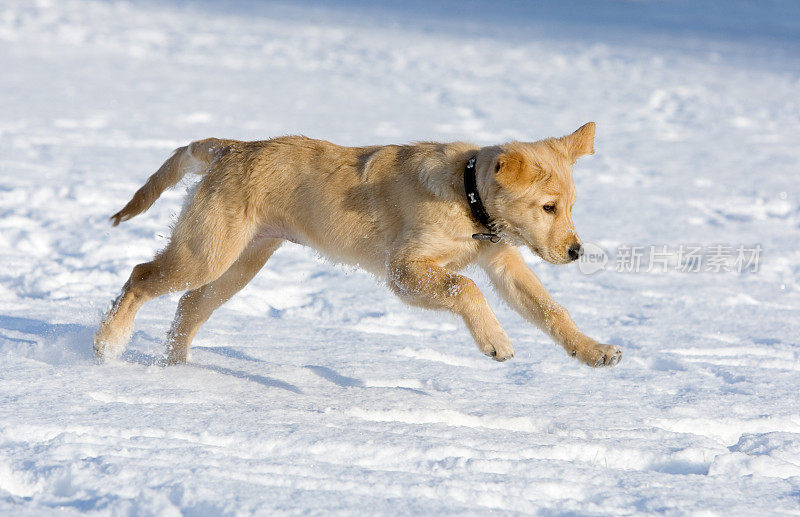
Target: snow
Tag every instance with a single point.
(315, 390)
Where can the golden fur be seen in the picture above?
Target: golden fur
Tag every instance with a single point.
(398, 211)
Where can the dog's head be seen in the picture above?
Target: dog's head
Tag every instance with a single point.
(531, 192)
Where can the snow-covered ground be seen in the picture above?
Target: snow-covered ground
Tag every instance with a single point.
(315, 390)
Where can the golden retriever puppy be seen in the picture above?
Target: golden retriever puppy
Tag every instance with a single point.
(413, 215)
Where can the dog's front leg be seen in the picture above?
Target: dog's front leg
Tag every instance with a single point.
(424, 283)
(521, 288)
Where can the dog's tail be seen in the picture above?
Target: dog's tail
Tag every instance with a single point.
(195, 158)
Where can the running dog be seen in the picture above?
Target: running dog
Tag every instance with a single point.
(413, 215)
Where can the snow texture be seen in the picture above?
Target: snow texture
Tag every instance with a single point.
(315, 390)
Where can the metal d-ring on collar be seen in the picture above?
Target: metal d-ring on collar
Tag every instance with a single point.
(475, 204)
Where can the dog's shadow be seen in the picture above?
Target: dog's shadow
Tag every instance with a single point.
(237, 354)
(145, 359)
(324, 372)
(51, 343)
(68, 343)
(351, 382)
(258, 379)
(335, 377)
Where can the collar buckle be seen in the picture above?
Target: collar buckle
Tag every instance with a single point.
(491, 237)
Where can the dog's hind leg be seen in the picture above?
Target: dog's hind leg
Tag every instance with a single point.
(116, 329)
(208, 238)
(197, 305)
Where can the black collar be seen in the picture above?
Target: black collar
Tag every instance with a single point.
(475, 204)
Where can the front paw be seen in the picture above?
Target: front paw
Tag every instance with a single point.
(499, 349)
(597, 355)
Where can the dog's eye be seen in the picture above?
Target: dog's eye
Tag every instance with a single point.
(549, 208)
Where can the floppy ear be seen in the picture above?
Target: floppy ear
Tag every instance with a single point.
(580, 142)
(510, 168)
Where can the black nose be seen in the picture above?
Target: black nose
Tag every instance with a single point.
(575, 251)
